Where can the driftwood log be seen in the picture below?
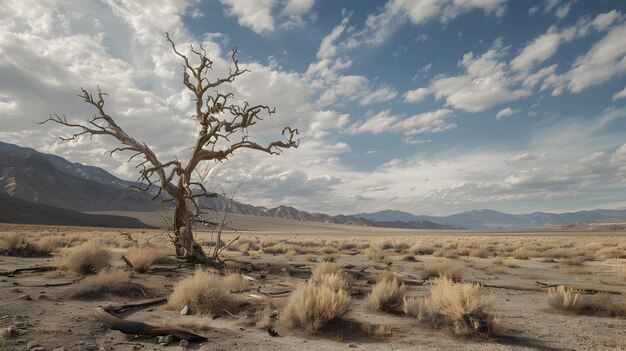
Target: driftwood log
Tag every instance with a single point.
(143, 329)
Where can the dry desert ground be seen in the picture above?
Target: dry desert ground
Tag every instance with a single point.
(293, 285)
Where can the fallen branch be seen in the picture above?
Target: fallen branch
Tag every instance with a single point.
(274, 293)
(543, 288)
(122, 308)
(28, 269)
(143, 329)
(128, 263)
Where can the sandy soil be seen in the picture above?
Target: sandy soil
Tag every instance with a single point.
(45, 318)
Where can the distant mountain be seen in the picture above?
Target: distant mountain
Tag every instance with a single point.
(388, 216)
(14, 210)
(51, 180)
(491, 219)
(414, 225)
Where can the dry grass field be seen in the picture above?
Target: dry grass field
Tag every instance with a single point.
(310, 286)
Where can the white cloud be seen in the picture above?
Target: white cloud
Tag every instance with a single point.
(540, 49)
(485, 83)
(378, 27)
(563, 10)
(327, 47)
(505, 112)
(384, 121)
(605, 60)
(417, 95)
(381, 94)
(619, 94)
(257, 15)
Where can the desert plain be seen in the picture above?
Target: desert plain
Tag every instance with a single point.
(534, 289)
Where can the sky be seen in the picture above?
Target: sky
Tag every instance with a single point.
(425, 106)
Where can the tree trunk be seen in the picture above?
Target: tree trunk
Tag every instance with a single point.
(184, 242)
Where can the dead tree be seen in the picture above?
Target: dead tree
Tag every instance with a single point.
(219, 118)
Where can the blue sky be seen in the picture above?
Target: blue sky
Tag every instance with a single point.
(431, 107)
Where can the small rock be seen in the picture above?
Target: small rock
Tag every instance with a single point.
(31, 344)
(19, 325)
(43, 297)
(7, 333)
(185, 311)
(245, 253)
(16, 290)
(26, 297)
(80, 343)
(352, 346)
(165, 340)
(184, 343)
(130, 337)
(38, 348)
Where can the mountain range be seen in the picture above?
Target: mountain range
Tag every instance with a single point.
(50, 180)
(491, 219)
(40, 179)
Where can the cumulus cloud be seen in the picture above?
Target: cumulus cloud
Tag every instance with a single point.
(261, 16)
(256, 15)
(416, 95)
(485, 83)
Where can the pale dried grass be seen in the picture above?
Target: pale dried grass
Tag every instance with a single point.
(204, 293)
(443, 269)
(388, 293)
(455, 306)
(143, 258)
(88, 258)
(314, 304)
(106, 282)
(235, 282)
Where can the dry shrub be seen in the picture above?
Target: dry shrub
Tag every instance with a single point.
(329, 274)
(568, 300)
(143, 258)
(443, 269)
(456, 306)
(324, 268)
(414, 306)
(388, 293)
(204, 293)
(16, 245)
(320, 301)
(422, 249)
(106, 282)
(480, 253)
(376, 254)
(564, 299)
(235, 282)
(87, 258)
(51, 244)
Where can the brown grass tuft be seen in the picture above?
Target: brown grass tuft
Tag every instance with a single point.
(388, 293)
(235, 282)
(143, 258)
(565, 299)
(456, 306)
(443, 269)
(87, 258)
(204, 293)
(106, 282)
(323, 299)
